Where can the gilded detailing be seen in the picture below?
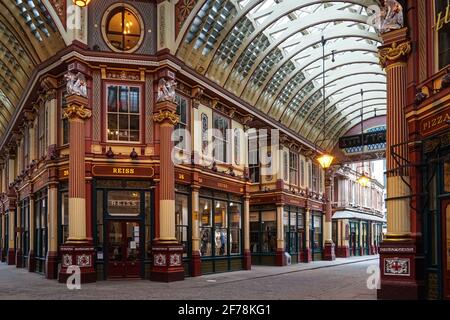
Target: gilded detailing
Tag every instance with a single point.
(394, 52)
(77, 111)
(166, 114)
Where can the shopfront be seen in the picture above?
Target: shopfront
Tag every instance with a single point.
(123, 228)
(437, 216)
(25, 230)
(220, 224)
(41, 231)
(294, 229)
(316, 237)
(182, 226)
(263, 234)
(354, 238)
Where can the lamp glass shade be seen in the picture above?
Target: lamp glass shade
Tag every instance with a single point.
(325, 160)
(81, 3)
(363, 180)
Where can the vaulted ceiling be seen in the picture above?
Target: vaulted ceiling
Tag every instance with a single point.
(28, 36)
(270, 53)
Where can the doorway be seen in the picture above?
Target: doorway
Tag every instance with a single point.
(124, 250)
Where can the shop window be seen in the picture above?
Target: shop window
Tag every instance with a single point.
(65, 216)
(235, 228)
(263, 232)
(124, 203)
(40, 244)
(148, 227)
(122, 28)
(25, 223)
(100, 224)
(180, 134)
(443, 32)
(293, 168)
(182, 221)
(220, 137)
(317, 225)
(220, 226)
(206, 227)
(123, 113)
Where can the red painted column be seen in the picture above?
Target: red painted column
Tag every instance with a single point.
(166, 250)
(399, 276)
(78, 250)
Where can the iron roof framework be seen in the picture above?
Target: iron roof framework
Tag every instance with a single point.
(269, 53)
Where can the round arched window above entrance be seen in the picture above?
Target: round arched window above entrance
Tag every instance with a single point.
(122, 28)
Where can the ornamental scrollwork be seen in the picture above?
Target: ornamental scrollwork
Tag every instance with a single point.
(74, 111)
(394, 52)
(166, 114)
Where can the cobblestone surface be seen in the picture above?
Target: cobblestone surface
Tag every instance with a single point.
(340, 279)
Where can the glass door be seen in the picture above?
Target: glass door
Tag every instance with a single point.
(124, 253)
(446, 247)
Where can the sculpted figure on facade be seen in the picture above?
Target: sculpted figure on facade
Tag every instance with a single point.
(390, 17)
(166, 90)
(76, 84)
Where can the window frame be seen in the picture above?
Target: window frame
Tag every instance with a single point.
(187, 123)
(108, 14)
(225, 139)
(141, 113)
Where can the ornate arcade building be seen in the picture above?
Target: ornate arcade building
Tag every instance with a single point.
(137, 138)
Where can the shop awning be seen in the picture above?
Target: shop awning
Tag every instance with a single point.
(348, 214)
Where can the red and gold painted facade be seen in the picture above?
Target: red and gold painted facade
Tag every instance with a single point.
(59, 166)
(417, 125)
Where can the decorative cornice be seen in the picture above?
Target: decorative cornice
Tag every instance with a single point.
(166, 115)
(77, 111)
(394, 52)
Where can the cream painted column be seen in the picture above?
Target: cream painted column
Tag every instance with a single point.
(52, 221)
(195, 220)
(307, 225)
(247, 224)
(280, 227)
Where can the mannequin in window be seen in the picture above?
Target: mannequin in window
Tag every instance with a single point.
(205, 242)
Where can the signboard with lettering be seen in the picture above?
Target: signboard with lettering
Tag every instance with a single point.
(122, 171)
(435, 122)
(368, 139)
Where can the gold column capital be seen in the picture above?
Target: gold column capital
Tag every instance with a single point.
(77, 111)
(166, 115)
(394, 52)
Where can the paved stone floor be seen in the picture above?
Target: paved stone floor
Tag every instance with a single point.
(340, 279)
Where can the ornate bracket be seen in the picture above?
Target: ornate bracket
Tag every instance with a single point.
(77, 111)
(394, 52)
(166, 115)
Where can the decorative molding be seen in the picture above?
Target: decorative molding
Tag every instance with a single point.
(166, 115)
(394, 52)
(74, 111)
(182, 10)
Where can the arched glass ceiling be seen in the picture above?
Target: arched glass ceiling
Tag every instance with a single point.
(269, 52)
(28, 36)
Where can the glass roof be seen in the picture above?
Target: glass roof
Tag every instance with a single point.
(270, 53)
